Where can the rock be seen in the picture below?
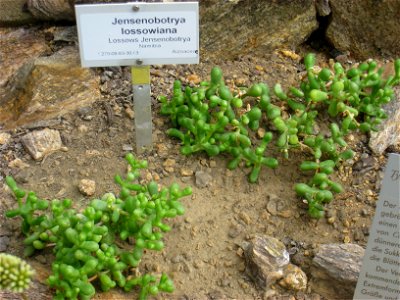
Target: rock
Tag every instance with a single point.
(85, 112)
(54, 86)
(294, 278)
(65, 34)
(83, 128)
(22, 176)
(266, 258)
(323, 8)
(257, 26)
(232, 28)
(260, 133)
(245, 217)
(42, 259)
(169, 165)
(19, 48)
(40, 143)
(202, 179)
(198, 263)
(13, 12)
(235, 230)
(87, 187)
(335, 269)
(17, 164)
(177, 259)
(274, 205)
(130, 113)
(4, 241)
(127, 147)
(366, 28)
(186, 172)
(194, 78)
(4, 138)
(288, 213)
(51, 10)
(389, 130)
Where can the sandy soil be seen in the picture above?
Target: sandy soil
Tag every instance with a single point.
(202, 252)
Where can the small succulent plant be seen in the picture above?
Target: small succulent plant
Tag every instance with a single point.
(15, 273)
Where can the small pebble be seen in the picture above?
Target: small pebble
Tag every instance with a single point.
(225, 282)
(198, 263)
(4, 241)
(286, 214)
(169, 165)
(130, 113)
(186, 172)
(331, 220)
(87, 187)
(203, 179)
(245, 217)
(82, 128)
(260, 133)
(194, 78)
(17, 164)
(259, 68)
(234, 231)
(177, 259)
(127, 147)
(4, 138)
(240, 252)
(169, 162)
(42, 259)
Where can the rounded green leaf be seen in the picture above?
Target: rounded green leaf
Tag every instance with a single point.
(254, 91)
(309, 165)
(324, 74)
(317, 95)
(216, 75)
(309, 61)
(302, 189)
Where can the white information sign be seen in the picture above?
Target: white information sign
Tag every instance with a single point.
(380, 273)
(137, 33)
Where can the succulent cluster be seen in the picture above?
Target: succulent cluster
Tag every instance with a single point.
(216, 119)
(15, 273)
(104, 241)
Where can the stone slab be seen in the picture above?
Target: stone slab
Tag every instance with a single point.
(55, 86)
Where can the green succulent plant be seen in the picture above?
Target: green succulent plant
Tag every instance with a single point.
(214, 119)
(90, 244)
(15, 273)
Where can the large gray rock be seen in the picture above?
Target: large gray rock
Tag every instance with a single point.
(232, 28)
(52, 9)
(366, 28)
(266, 258)
(389, 129)
(19, 48)
(13, 12)
(227, 28)
(335, 270)
(54, 85)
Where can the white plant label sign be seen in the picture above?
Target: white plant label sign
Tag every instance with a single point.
(380, 273)
(137, 33)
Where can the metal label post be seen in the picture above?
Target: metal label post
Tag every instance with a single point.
(139, 34)
(142, 107)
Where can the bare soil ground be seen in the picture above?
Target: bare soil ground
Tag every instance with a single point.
(202, 252)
